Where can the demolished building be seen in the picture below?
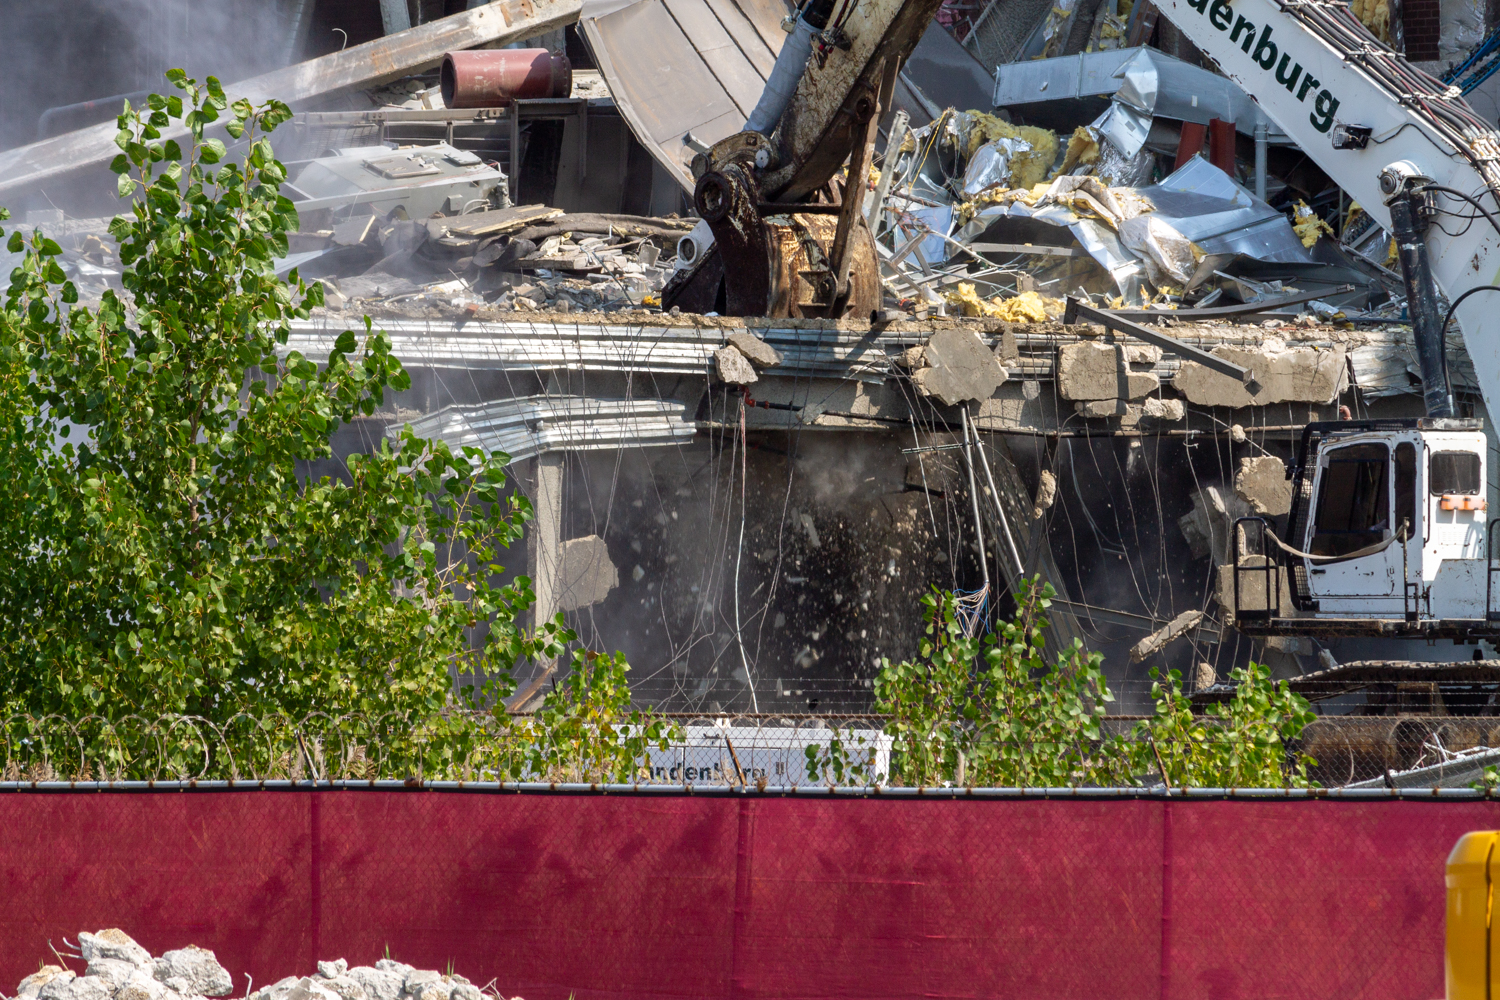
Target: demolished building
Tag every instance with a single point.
(750, 506)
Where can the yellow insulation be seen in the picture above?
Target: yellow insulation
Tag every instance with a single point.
(1083, 149)
(1375, 15)
(1308, 226)
(1026, 169)
(1028, 307)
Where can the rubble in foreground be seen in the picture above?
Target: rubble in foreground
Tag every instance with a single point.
(120, 969)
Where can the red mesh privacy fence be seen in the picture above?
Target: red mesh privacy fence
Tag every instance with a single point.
(746, 896)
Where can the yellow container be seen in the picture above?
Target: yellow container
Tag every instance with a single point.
(1471, 957)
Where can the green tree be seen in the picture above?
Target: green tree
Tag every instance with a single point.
(1241, 743)
(163, 553)
(992, 710)
(585, 729)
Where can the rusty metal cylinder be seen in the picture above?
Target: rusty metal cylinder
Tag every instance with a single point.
(492, 78)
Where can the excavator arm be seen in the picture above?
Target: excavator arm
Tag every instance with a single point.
(1404, 145)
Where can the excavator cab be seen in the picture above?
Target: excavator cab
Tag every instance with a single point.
(1387, 535)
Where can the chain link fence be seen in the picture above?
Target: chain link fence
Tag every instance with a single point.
(777, 751)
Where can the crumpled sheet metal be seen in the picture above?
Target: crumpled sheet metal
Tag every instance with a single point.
(527, 426)
(1166, 254)
(679, 67)
(990, 166)
(1124, 126)
(571, 345)
(1388, 366)
(1204, 204)
(1199, 201)
(1143, 79)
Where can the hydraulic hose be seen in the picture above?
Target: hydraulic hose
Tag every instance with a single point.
(791, 63)
(782, 84)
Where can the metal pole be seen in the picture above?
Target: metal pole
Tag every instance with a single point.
(1262, 141)
(887, 170)
(984, 562)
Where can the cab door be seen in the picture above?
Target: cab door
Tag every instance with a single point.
(1353, 511)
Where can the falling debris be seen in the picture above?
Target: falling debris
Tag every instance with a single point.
(1262, 482)
(587, 575)
(1046, 494)
(1158, 640)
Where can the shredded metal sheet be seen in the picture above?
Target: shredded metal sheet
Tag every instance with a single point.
(548, 345)
(655, 53)
(1149, 82)
(526, 426)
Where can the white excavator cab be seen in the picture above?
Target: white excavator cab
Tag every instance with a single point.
(1387, 535)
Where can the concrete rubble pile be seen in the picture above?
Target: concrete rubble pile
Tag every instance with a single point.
(120, 969)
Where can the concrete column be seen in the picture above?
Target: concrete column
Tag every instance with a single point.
(544, 551)
(546, 534)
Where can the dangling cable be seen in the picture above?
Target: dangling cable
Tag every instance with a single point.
(744, 446)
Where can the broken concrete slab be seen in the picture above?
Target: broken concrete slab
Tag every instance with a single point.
(1097, 409)
(1252, 587)
(354, 231)
(959, 367)
(756, 351)
(1158, 640)
(1262, 483)
(1295, 375)
(733, 367)
(1165, 410)
(493, 223)
(587, 574)
(1092, 370)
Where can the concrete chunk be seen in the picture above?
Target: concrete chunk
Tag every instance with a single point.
(1253, 592)
(1298, 375)
(1207, 527)
(32, 985)
(586, 577)
(193, 971)
(84, 988)
(1262, 482)
(959, 368)
(1046, 495)
(1093, 370)
(1097, 409)
(143, 986)
(112, 943)
(1166, 410)
(378, 984)
(1158, 640)
(756, 351)
(733, 367)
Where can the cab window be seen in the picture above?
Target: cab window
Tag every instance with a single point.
(1454, 472)
(1353, 500)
